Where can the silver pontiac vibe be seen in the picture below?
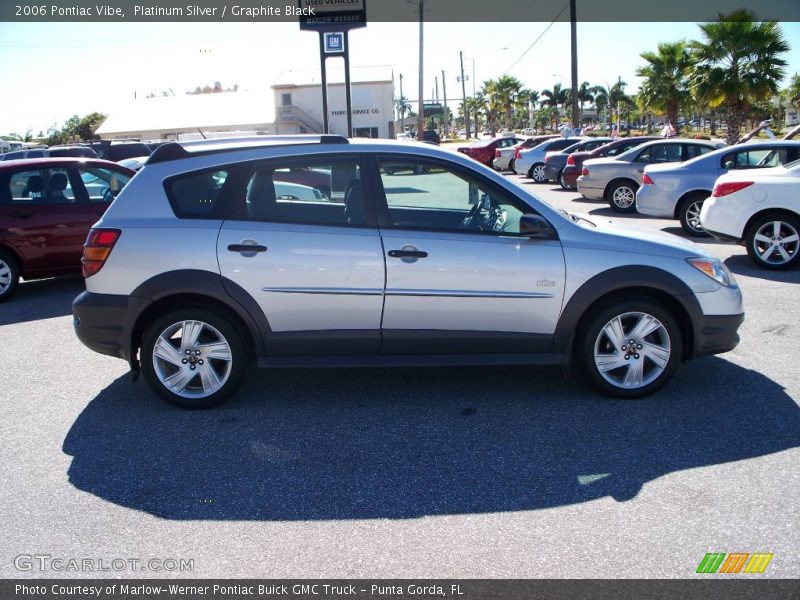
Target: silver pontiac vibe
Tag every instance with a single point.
(321, 251)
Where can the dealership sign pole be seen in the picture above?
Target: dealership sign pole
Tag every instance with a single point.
(332, 20)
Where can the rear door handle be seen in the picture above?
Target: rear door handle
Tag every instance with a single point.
(407, 254)
(247, 248)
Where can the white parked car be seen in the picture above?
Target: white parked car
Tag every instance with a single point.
(760, 209)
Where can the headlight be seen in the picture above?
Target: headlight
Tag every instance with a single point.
(715, 269)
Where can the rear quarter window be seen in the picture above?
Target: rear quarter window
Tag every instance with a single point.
(197, 195)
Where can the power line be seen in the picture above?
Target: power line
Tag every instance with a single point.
(546, 29)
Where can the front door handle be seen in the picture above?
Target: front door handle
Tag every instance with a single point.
(407, 254)
(247, 248)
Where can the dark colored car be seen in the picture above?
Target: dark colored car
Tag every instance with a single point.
(117, 151)
(431, 136)
(554, 162)
(77, 151)
(572, 170)
(47, 206)
(483, 151)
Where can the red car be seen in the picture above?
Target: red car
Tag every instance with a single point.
(572, 170)
(483, 151)
(47, 206)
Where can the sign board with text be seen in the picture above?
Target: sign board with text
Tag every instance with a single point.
(334, 42)
(332, 15)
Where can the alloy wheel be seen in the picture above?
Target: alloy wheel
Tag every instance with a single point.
(192, 359)
(776, 242)
(632, 350)
(623, 197)
(693, 216)
(538, 173)
(6, 277)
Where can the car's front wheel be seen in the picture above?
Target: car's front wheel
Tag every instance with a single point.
(773, 242)
(631, 348)
(689, 215)
(621, 196)
(9, 276)
(193, 358)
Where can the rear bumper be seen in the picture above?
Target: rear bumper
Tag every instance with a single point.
(716, 334)
(102, 323)
(587, 191)
(570, 176)
(723, 237)
(655, 202)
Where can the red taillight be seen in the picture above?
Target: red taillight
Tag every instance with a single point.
(516, 153)
(97, 248)
(724, 189)
(497, 153)
(584, 171)
(571, 160)
(547, 159)
(647, 180)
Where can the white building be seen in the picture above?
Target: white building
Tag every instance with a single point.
(293, 106)
(298, 102)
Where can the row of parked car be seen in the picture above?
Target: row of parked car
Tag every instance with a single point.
(681, 179)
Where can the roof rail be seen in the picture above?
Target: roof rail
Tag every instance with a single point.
(178, 150)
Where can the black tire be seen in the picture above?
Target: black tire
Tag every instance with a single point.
(234, 373)
(536, 173)
(9, 276)
(590, 337)
(560, 180)
(511, 166)
(689, 214)
(621, 196)
(789, 226)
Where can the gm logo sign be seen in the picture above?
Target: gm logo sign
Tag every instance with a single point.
(334, 43)
(736, 562)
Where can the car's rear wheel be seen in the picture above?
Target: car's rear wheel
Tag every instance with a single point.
(9, 276)
(193, 358)
(773, 241)
(560, 179)
(511, 165)
(689, 214)
(621, 196)
(537, 173)
(631, 348)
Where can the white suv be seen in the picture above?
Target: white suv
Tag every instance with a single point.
(408, 255)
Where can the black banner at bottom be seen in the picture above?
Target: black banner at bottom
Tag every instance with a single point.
(396, 589)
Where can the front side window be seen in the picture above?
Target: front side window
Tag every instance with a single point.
(41, 186)
(102, 185)
(313, 192)
(422, 195)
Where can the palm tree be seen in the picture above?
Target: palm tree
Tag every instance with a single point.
(600, 100)
(555, 98)
(584, 95)
(793, 91)
(666, 78)
(738, 63)
(503, 95)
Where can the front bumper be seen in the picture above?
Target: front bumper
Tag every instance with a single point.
(104, 322)
(716, 334)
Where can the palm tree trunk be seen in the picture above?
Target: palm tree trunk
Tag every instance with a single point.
(736, 116)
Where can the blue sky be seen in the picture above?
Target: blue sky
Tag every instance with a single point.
(51, 71)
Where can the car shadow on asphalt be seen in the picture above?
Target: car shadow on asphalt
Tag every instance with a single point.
(743, 265)
(405, 443)
(41, 299)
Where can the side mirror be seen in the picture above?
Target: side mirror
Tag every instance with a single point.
(535, 226)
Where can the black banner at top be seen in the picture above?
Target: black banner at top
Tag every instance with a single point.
(351, 11)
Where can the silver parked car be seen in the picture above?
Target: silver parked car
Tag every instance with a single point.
(617, 179)
(678, 191)
(201, 267)
(531, 161)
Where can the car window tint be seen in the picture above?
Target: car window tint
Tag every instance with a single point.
(102, 185)
(41, 186)
(646, 155)
(665, 153)
(423, 195)
(197, 195)
(695, 150)
(619, 149)
(311, 193)
(757, 158)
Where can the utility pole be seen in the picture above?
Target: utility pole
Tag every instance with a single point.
(464, 95)
(436, 82)
(574, 35)
(444, 108)
(402, 107)
(421, 109)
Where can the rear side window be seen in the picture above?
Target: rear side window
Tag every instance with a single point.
(41, 186)
(695, 150)
(197, 195)
(313, 192)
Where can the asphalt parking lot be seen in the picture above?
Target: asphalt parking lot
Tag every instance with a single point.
(491, 472)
